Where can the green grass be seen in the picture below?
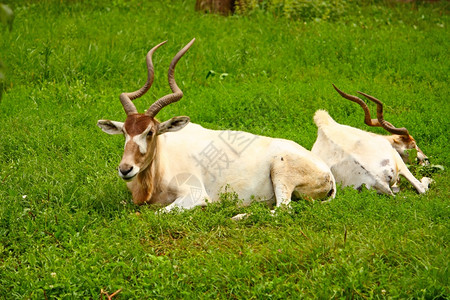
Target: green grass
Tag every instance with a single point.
(67, 227)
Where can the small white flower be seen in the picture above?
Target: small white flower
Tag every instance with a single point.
(24, 196)
(53, 274)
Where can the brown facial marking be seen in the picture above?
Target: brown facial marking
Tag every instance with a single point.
(408, 141)
(136, 123)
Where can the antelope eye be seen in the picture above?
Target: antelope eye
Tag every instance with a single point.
(150, 133)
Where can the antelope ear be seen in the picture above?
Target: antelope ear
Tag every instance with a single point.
(174, 124)
(110, 127)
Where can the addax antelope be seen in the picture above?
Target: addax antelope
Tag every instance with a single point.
(180, 164)
(400, 139)
(357, 157)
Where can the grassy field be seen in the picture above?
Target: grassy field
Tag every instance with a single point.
(67, 226)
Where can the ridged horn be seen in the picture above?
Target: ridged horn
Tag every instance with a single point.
(177, 94)
(127, 98)
(367, 118)
(385, 124)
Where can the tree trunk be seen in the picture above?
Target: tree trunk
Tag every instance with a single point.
(224, 7)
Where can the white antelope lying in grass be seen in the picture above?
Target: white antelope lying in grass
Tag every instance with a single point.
(357, 157)
(176, 164)
(400, 139)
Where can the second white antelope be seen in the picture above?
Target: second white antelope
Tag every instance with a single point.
(180, 164)
(400, 139)
(358, 157)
